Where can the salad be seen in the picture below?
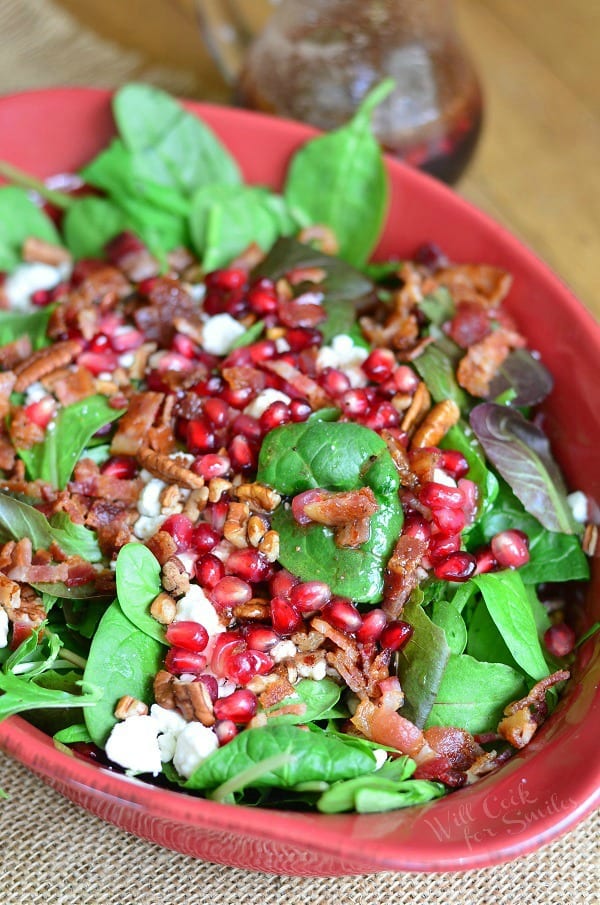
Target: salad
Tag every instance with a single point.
(279, 525)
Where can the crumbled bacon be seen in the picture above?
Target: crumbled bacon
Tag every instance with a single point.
(337, 509)
(401, 574)
(299, 383)
(523, 718)
(134, 425)
(481, 363)
(168, 299)
(14, 353)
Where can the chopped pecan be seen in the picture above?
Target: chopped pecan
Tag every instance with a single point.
(140, 360)
(196, 503)
(163, 608)
(234, 529)
(401, 460)
(163, 689)
(589, 543)
(44, 361)
(169, 470)
(483, 359)
(216, 488)
(128, 706)
(10, 594)
(269, 546)
(175, 579)
(259, 497)
(436, 424)
(420, 405)
(37, 250)
(194, 702)
(306, 641)
(257, 609)
(162, 546)
(256, 529)
(170, 498)
(523, 718)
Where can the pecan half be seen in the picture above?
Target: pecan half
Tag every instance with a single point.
(175, 579)
(194, 702)
(163, 689)
(259, 497)
(44, 361)
(128, 706)
(420, 405)
(169, 470)
(37, 250)
(234, 529)
(436, 424)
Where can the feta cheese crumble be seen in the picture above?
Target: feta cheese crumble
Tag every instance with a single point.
(196, 607)
(578, 503)
(171, 724)
(220, 332)
(133, 744)
(193, 746)
(28, 278)
(343, 355)
(3, 628)
(263, 401)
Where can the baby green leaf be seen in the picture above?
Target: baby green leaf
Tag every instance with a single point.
(318, 698)
(21, 694)
(122, 660)
(90, 223)
(437, 370)
(75, 540)
(14, 324)
(138, 583)
(333, 456)
(53, 460)
(438, 306)
(421, 663)
(71, 734)
(525, 375)
(472, 695)
(18, 520)
(462, 438)
(446, 616)
(339, 179)
(20, 218)
(387, 789)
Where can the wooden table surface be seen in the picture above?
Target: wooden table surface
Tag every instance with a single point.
(537, 169)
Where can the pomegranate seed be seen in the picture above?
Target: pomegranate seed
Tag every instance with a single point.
(217, 411)
(226, 731)
(212, 386)
(209, 570)
(84, 268)
(396, 635)
(126, 340)
(405, 379)
(379, 365)
(262, 351)
(226, 644)
(355, 402)
(431, 256)
(381, 416)
(211, 466)
(183, 345)
(211, 685)
(248, 426)
(146, 286)
(373, 624)
(511, 548)
(243, 454)
(439, 496)
(204, 538)
(232, 278)
(454, 463)
(559, 639)
(41, 297)
(300, 410)
(300, 501)
(238, 707)
(259, 637)
(249, 564)
(181, 530)
(456, 567)
(282, 583)
(200, 437)
(334, 382)
(442, 546)
(239, 398)
(262, 297)
(238, 358)
(218, 514)
(342, 614)
(179, 661)
(122, 467)
(470, 492)
(285, 617)
(230, 591)
(449, 521)
(121, 246)
(486, 561)
(309, 596)
(189, 635)
(41, 412)
(416, 526)
(469, 325)
(299, 338)
(246, 664)
(98, 363)
(275, 415)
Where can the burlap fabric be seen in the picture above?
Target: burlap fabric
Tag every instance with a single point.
(52, 852)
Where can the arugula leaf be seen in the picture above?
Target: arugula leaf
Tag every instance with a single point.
(334, 456)
(437, 370)
(138, 583)
(14, 324)
(521, 453)
(508, 604)
(90, 223)
(20, 218)
(421, 663)
(317, 696)
(172, 146)
(312, 756)
(53, 460)
(122, 660)
(472, 695)
(339, 179)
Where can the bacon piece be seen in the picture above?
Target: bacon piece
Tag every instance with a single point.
(354, 534)
(7, 453)
(401, 460)
(344, 663)
(275, 692)
(337, 509)
(340, 639)
(457, 745)
(523, 718)
(15, 352)
(24, 433)
(112, 523)
(73, 386)
(243, 377)
(381, 723)
(7, 383)
(423, 462)
(133, 427)
(168, 299)
(305, 310)
(299, 383)
(481, 363)
(401, 574)
(480, 283)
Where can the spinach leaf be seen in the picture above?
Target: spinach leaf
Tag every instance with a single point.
(525, 375)
(508, 604)
(334, 456)
(383, 271)
(374, 794)
(552, 556)
(122, 660)
(421, 663)
(437, 370)
(71, 734)
(485, 642)
(90, 223)
(20, 218)
(14, 324)
(339, 179)
(172, 146)
(473, 695)
(317, 696)
(53, 460)
(446, 616)
(521, 453)
(226, 219)
(312, 756)
(18, 520)
(438, 306)
(138, 583)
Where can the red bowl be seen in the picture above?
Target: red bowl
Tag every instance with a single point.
(544, 790)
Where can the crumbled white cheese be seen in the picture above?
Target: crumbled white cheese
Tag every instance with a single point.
(3, 628)
(27, 278)
(196, 607)
(579, 505)
(133, 744)
(187, 560)
(126, 359)
(316, 671)
(283, 650)
(223, 550)
(35, 393)
(342, 353)
(171, 724)
(442, 477)
(282, 345)
(149, 499)
(147, 525)
(182, 458)
(263, 401)
(193, 746)
(380, 757)
(196, 290)
(225, 687)
(220, 332)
